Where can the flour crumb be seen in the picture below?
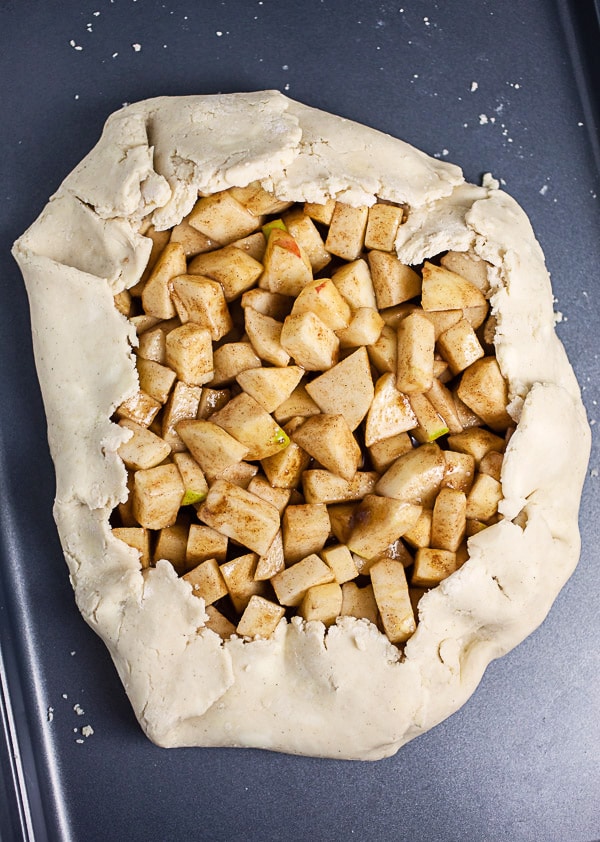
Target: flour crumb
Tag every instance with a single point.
(50, 714)
(543, 190)
(75, 45)
(78, 709)
(483, 119)
(87, 731)
(137, 47)
(64, 695)
(80, 741)
(594, 472)
(474, 86)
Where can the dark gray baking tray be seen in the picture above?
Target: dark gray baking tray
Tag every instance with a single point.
(507, 87)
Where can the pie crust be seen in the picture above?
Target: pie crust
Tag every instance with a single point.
(345, 692)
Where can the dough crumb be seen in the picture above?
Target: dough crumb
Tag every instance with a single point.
(78, 709)
(87, 731)
(50, 714)
(474, 86)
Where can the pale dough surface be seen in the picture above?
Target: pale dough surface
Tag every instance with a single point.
(346, 693)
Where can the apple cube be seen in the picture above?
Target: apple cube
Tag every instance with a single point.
(265, 335)
(470, 266)
(139, 408)
(234, 269)
(364, 328)
(442, 401)
(240, 515)
(192, 476)
(285, 469)
(322, 603)
(483, 498)
(491, 464)
(322, 213)
(260, 618)
(445, 290)
(206, 581)
(449, 519)
(416, 476)
(390, 412)
(156, 380)
(156, 295)
(299, 404)
(353, 280)
(459, 346)
(476, 442)
(189, 354)
(223, 218)
(322, 298)
(270, 304)
(485, 391)
(201, 301)
(246, 420)
(390, 589)
(432, 566)
(270, 386)
(416, 344)
(272, 561)
(312, 344)
(346, 234)
(383, 453)
(191, 240)
(231, 359)
(378, 522)
(393, 281)
(339, 558)
(157, 496)
(292, 583)
(382, 226)
(431, 425)
(239, 578)
(460, 471)
(218, 623)
(182, 404)
(359, 602)
(136, 537)
(204, 543)
(258, 200)
(212, 400)
(171, 544)
(383, 353)
(213, 448)
(325, 487)
(305, 529)
(419, 535)
(346, 389)
(144, 449)
(329, 440)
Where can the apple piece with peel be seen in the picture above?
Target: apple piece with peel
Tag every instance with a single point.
(287, 268)
(329, 440)
(245, 419)
(346, 389)
(157, 496)
(213, 448)
(431, 425)
(306, 234)
(192, 476)
(307, 339)
(240, 515)
(390, 412)
(321, 297)
(378, 522)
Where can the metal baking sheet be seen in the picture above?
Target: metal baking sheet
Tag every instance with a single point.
(502, 87)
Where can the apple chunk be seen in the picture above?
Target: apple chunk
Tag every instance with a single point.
(378, 522)
(390, 412)
(346, 389)
(329, 440)
(270, 386)
(390, 589)
(246, 420)
(240, 515)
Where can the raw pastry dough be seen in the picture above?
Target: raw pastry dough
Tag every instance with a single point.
(346, 693)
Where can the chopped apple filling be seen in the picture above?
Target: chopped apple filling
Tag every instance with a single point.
(319, 428)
